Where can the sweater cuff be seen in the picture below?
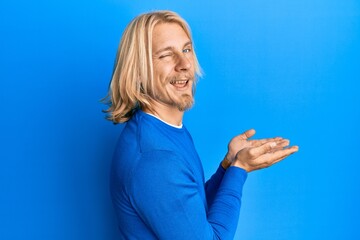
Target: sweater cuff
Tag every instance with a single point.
(234, 179)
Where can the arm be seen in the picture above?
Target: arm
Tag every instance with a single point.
(167, 197)
(235, 146)
(212, 185)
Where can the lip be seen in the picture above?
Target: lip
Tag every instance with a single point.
(180, 84)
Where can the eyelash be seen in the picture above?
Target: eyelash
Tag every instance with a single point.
(163, 56)
(187, 50)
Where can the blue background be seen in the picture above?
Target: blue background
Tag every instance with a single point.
(288, 68)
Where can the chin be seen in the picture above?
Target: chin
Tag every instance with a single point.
(186, 104)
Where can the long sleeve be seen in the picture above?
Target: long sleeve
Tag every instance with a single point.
(212, 185)
(165, 193)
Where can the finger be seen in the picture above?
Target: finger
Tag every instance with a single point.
(259, 142)
(283, 143)
(247, 134)
(281, 154)
(262, 149)
(268, 159)
(280, 145)
(282, 158)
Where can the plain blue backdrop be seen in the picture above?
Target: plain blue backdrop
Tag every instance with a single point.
(288, 68)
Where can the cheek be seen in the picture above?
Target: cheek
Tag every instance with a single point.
(192, 61)
(162, 71)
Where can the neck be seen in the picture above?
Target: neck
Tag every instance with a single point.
(168, 114)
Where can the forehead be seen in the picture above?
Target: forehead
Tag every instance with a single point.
(168, 35)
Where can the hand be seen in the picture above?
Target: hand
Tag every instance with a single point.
(265, 155)
(241, 141)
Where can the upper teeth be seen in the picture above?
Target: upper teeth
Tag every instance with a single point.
(179, 82)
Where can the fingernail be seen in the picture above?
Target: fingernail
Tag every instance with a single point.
(273, 144)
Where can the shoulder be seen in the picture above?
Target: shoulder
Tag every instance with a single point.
(153, 134)
(143, 131)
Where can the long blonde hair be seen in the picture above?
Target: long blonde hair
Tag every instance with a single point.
(132, 81)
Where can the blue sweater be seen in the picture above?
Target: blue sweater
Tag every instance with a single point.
(158, 187)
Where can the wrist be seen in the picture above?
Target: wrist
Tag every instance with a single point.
(239, 165)
(225, 163)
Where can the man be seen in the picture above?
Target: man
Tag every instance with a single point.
(157, 180)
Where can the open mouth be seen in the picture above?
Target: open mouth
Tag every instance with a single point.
(179, 83)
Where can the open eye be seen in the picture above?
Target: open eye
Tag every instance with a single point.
(186, 50)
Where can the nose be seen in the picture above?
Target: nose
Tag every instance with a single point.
(183, 63)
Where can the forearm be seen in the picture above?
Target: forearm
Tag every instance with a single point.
(212, 185)
(223, 214)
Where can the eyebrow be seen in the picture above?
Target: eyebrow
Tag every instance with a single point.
(171, 48)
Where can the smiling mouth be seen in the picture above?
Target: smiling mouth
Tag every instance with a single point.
(179, 83)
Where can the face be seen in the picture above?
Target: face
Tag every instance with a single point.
(173, 62)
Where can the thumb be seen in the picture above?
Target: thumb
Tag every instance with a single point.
(247, 134)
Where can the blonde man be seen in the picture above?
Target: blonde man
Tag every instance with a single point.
(157, 180)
